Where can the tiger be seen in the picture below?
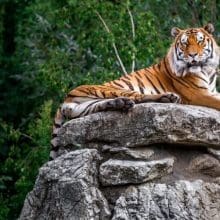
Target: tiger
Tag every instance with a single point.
(186, 75)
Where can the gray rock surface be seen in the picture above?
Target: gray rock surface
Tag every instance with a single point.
(205, 164)
(138, 153)
(67, 188)
(120, 172)
(127, 169)
(182, 200)
(214, 152)
(145, 124)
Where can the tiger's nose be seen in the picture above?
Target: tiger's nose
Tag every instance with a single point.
(193, 54)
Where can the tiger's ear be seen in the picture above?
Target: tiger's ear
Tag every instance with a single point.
(209, 28)
(175, 31)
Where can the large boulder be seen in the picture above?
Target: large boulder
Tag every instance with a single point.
(157, 161)
(67, 188)
(145, 124)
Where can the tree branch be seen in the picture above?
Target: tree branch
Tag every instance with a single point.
(113, 43)
(133, 37)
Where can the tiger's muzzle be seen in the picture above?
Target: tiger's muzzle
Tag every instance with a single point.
(194, 64)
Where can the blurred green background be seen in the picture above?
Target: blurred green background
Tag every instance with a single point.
(49, 47)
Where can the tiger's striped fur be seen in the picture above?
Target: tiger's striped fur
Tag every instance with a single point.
(187, 74)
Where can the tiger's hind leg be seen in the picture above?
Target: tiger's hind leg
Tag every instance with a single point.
(82, 108)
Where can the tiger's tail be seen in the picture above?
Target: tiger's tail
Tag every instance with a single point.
(58, 122)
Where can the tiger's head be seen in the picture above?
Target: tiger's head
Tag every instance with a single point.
(194, 51)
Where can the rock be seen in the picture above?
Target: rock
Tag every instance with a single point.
(139, 153)
(214, 152)
(67, 188)
(205, 164)
(183, 200)
(120, 172)
(145, 124)
(217, 180)
(127, 169)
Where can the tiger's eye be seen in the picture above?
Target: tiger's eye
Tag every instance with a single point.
(200, 36)
(184, 39)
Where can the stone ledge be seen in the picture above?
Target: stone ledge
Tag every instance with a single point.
(145, 124)
(120, 172)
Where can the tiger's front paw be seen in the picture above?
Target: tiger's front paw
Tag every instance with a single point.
(170, 98)
(120, 103)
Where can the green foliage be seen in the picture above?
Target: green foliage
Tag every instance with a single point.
(40, 130)
(49, 47)
(25, 154)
